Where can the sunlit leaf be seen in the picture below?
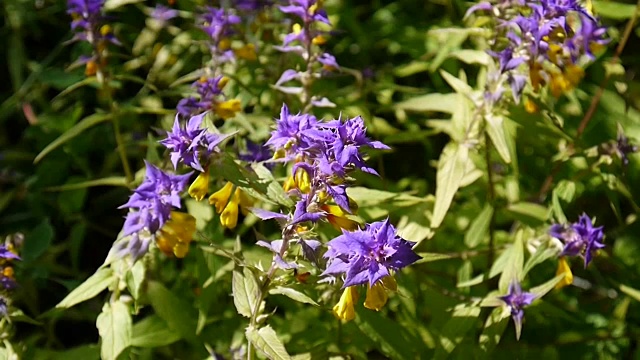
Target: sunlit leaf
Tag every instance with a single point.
(451, 167)
(114, 326)
(267, 342)
(88, 289)
(246, 291)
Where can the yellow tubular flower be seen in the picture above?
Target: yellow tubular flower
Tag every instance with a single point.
(224, 44)
(229, 216)
(344, 309)
(228, 109)
(530, 106)
(302, 180)
(289, 184)
(200, 186)
(338, 218)
(176, 234)
(563, 268)
(376, 297)
(220, 198)
(389, 283)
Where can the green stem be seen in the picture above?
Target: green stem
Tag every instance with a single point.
(113, 108)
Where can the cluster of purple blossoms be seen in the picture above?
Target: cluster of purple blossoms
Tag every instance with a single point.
(516, 300)
(304, 36)
(218, 24)
(87, 23)
(192, 145)
(553, 38)
(368, 255)
(579, 239)
(8, 254)
(325, 152)
(151, 203)
(163, 14)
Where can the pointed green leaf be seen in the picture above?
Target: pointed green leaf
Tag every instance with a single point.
(267, 342)
(108, 181)
(246, 291)
(494, 327)
(451, 169)
(543, 252)
(429, 257)
(461, 87)
(153, 332)
(88, 289)
(114, 326)
(613, 10)
(495, 129)
(177, 313)
(543, 289)
(515, 261)
(452, 334)
(530, 213)
(435, 102)
(635, 294)
(394, 341)
(292, 294)
(77, 129)
(479, 228)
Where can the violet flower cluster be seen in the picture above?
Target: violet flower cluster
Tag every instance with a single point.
(191, 144)
(579, 239)
(151, 205)
(88, 25)
(547, 41)
(303, 40)
(8, 254)
(367, 256)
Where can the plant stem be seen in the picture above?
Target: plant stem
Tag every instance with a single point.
(548, 182)
(113, 108)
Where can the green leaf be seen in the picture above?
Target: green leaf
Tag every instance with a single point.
(153, 332)
(471, 57)
(84, 352)
(394, 341)
(135, 279)
(37, 241)
(613, 10)
(246, 291)
(267, 342)
(88, 289)
(275, 191)
(114, 4)
(292, 294)
(108, 181)
(451, 169)
(479, 228)
(445, 103)
(429, 257)
(178, 314)
(452, 334)
(515, 260)
(77, 129)
(461, 87)
(635, 294)
(114, 326)
(19, 316)
(543, 252)
(494, 327)
(530, 213)
(495, 129)
(543, 289)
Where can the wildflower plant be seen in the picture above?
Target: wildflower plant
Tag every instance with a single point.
(285, 179)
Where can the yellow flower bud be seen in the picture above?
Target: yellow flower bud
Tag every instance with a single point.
(220, 198)
(105, 30)
(176, 234)
(563, 268)
(247, 52)
(200, 186)
(376, 297)
(228, 109)
(224, 44)
(297, 29)
(338, 218)
(344, 309)
(229, 217)
(302, 180)
(223, 82)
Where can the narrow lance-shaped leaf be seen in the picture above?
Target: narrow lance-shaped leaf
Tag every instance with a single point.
(495, 129)
(267, 342)
(246, 291)
(494, 327)
(114, 326)
(479, 227)
(451, 169)
(515, 261)
(77, 129)
(462, 320)
(88, 289)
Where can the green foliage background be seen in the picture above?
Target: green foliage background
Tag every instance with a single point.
(66, 202)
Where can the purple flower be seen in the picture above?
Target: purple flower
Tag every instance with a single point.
(580, 238)
(516, 299)
(163, 13)
(307, 10)
(251, 5)
(294, 133)
(624, 148)
(207, 89)
(87, 22)
(191, 145)
(366, 256)
(217, 23)
(151, 203)
(7, 254)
